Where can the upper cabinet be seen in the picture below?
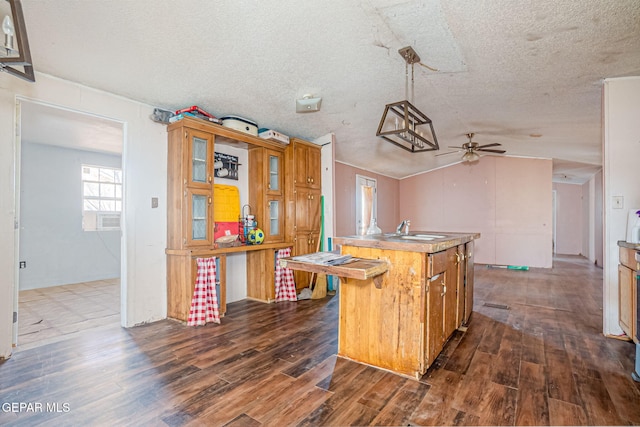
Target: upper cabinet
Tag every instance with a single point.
(307, 167)
(266, 198)
(190, 220)
(200, 158)
(190, 188)
(274, 172)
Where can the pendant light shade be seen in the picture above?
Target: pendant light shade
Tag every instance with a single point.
(402, 123)
(15, 52)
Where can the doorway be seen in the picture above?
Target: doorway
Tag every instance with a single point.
(68, 277)
(366, 203)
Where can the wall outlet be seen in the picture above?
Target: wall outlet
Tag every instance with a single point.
(154, 202)
(618, 202)
(23, 264)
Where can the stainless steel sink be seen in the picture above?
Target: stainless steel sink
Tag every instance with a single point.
(416, 236)
(422, 236)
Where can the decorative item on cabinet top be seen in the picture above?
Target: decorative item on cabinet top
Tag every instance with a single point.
(241, 124)
(273, 135)
(225, 166)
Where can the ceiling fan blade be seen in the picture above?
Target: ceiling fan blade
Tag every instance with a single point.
(491, 151)
(452, 146)
(495, 144)
(449, 152)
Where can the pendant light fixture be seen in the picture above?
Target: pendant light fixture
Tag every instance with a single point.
(15, 50)
(402, 123)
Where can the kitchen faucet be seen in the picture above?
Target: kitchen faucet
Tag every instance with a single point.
(403, 228)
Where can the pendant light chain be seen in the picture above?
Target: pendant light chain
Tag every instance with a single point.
(406, 80)
(412, 84)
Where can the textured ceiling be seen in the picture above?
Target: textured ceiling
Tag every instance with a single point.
(527, 75)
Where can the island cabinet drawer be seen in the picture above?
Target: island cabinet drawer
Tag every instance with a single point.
(436, 263)
(628, 258)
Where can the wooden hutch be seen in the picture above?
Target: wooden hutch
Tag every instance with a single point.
(284, 193)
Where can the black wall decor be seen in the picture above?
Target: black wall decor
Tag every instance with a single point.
(226, 166)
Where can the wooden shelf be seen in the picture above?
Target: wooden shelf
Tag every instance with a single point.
(359, 269)
(234, 249)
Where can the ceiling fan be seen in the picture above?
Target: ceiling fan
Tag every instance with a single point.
(471, 148)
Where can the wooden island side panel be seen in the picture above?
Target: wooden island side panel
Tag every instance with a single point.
(384, 327)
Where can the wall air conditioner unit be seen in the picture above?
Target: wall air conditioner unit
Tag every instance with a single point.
(108, 221)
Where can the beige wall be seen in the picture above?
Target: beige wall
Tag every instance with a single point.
(506, 199)
(570, 219)
(345, 196)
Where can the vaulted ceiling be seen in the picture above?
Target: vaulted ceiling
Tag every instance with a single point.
(527, 75)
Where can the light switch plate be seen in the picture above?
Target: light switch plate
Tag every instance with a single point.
(618, 202)
(154, 202)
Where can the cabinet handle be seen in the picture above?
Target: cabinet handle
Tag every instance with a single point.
(457, 258)
(209, 200)
(311, 180)
(210, 179)
(269, 186)
(308, 179)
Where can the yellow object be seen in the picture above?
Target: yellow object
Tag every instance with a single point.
(226, 203)
(320, 288)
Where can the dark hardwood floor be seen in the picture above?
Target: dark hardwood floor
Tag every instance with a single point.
(540, 361)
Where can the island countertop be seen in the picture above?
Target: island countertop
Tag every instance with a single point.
(415, 241)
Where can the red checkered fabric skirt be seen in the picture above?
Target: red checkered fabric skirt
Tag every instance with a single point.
(285, 284)
(204, 304)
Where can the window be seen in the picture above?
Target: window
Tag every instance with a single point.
(101, 198)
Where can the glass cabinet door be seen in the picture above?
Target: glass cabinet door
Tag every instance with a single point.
(200, 158)
(200, 229)
(274, 225)
(274, 172)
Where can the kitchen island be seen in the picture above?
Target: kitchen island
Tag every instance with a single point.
(401, 319)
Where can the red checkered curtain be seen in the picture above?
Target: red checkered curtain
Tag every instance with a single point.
(204, 304)
(285, 284)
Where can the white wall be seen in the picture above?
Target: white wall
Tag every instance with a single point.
(52, 242)
(143, 272)
(570, 219)
(505, 199)
(597, 229)
(621, 166)
(236, 262)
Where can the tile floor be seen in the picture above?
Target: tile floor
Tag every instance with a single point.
(47, 315)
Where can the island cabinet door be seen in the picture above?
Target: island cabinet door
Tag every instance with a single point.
(461, 262)
(435, 293)
(450, 293)
(468, 282)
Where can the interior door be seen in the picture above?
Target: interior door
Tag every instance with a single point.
(366, 203)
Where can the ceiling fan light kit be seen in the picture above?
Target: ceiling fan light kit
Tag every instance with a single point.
(402, 123)
(470, 157)
(15, 50)
(471, 150)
